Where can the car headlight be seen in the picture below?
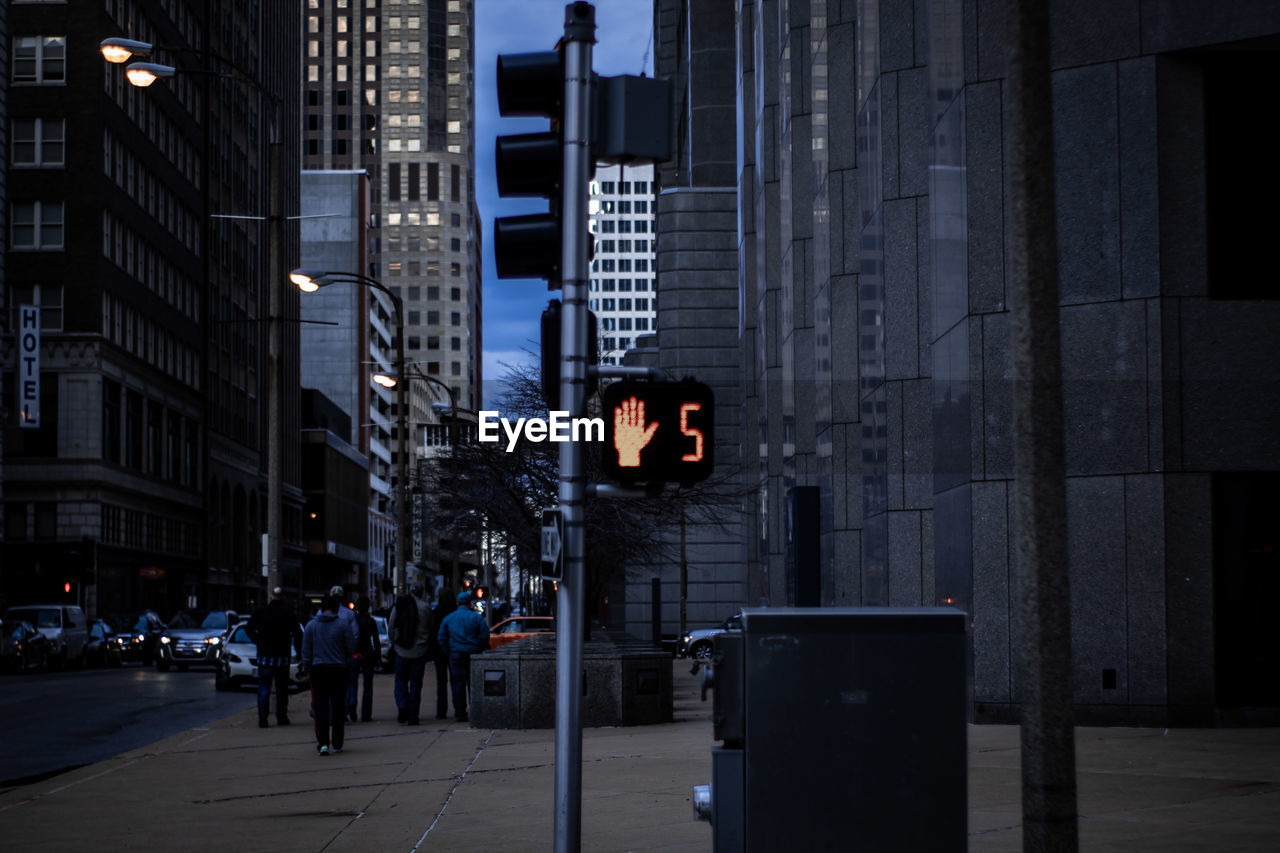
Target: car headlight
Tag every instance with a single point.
(686, 639)
(213, 641)
(139, 639)
(164, 640)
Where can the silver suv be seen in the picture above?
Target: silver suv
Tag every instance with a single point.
(64, 625)
(192, 638)
(700, 644)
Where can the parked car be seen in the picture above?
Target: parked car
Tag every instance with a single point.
(699, 644)
(519, 627)
(106, 647)
(63, 625)
(238, 661)
(141, 634)
(192, 638)
(384, 637)
(22, 647)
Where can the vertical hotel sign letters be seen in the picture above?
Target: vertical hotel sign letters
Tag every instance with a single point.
(29, 366)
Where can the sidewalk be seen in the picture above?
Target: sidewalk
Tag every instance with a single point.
(447, 787)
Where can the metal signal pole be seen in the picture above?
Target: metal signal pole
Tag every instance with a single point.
(579, 36)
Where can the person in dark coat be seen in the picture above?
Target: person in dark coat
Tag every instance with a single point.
(445, 604)
(274, 629)
(411, 652)
(364, 662)
(327, 646)
(462, 632)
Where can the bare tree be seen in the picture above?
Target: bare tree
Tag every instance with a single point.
(481, 484)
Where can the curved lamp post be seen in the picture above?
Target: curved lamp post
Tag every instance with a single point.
(309, 281)
(410, 371)
(116, 50)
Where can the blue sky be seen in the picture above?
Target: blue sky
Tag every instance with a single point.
(512, 306)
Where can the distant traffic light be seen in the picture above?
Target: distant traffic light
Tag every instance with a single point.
(551, 353)
(656, 432)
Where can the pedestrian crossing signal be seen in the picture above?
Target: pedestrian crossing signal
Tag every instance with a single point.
(659, 432)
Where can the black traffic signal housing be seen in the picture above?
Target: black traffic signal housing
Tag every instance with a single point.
(656, 432)
(551, 354)
(530, 165)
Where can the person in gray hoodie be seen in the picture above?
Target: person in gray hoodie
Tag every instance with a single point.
(411, 648)
(327, 646)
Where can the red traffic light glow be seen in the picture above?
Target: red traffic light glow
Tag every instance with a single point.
(658, 432)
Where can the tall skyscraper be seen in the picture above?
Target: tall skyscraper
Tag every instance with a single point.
(389, 89)
(137, 229)
(623, 294)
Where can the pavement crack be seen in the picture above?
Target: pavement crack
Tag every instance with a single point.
(457, 783)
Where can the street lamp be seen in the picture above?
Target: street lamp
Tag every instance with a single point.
(309, 281)
(411, 371)
(116, 50)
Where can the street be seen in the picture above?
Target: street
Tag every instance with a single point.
(59, 720)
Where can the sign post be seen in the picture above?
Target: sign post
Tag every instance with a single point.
(552, 538)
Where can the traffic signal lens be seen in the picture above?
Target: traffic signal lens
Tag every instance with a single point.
(530, 84)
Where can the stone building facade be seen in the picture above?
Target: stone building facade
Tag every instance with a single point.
(874, 330)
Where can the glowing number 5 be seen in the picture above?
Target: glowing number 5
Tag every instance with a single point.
(685, 409)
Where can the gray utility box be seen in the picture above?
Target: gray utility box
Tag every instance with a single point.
(843, 729)
(624, 683)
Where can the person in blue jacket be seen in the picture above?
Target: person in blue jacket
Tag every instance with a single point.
(327, 646)
(462, 632)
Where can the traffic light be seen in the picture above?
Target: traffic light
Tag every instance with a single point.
(658, 432)
(551, 353)
(530, 165)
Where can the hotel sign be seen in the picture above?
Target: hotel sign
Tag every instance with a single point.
(29, 366)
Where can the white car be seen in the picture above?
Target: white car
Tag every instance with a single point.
(700, 644)
(237, 663)
(386, 664)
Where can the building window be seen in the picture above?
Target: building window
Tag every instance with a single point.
(15, 521)
(48, 297)
(39, 142)
(133, 430)
(433, 342)
(46, 520)
(393, 182)
(37, 225)
(40, 59)
(433, 182)
(433, 318)
(455, 319)
(414, 182)
(1238, 247)
(455, 183)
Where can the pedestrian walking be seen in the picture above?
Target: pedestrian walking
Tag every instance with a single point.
(446, 603)
(275, 631)
(409, 630)
(327, 646)
(345, 613)
(462, 632)
(364, 662)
